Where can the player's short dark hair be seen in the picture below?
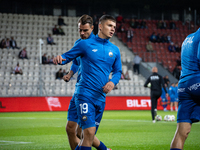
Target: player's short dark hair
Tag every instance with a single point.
(106, 17)
(84, 19)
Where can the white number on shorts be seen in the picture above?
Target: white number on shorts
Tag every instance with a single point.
(84, 108)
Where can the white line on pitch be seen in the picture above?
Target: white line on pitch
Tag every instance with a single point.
(2, 142)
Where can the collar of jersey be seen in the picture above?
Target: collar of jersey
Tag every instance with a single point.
(101, 40)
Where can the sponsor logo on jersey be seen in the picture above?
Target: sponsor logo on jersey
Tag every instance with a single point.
(194, 86)
(95, 50)
(188, 40)
(181, 90)
(110, 54)
(154, 77)
(84, 118)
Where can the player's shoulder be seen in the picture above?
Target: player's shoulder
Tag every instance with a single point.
(114, 46)
(77, 41)
(83, 42)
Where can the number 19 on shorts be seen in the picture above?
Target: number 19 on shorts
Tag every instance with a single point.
(84, 108)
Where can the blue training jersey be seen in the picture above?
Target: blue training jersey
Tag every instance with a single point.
(163, 95)
(176, 92)
(76, 63)
(172, 92)
(190, 57)
(98, 58)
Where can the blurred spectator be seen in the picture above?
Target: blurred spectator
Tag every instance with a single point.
(166, 80)
(171, 47)
(121, 28)
(136, 64)
(18, 70)
(169, 39)
(143, 24)
(23, 54)
(95, 30)
(159, 24)
(164, 24)
(126, 76)
(59, 74)
(51, 60)
(3, 43)
(149, 47)
(122, 76)
(50, 40)
(60, 31)
(7, 43)
(64, 72)
(178, 61)
(61, 21)
(13, 44)
(177, 47)
(172, 24)
(55, 30)
(132, 23)
(48, 59)
(129, 34)
(164, 38)
(153, 37)
(95, 18)
(120, 19)
(137, 24)
(44, 58)
(176, 72)
(158, 37)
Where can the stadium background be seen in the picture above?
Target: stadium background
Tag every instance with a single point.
(33, 20)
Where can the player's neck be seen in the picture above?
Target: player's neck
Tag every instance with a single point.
(102, 36)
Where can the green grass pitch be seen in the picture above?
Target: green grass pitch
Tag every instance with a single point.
(119, 130)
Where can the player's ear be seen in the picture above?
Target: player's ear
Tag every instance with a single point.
(92, 27)
(100, 26)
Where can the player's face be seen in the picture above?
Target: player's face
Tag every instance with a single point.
(85, 30)
(107, 29)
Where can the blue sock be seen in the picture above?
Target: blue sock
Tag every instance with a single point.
(85, 148)
(175, 149)
(77, 147)
(102, 146)
(165, 105)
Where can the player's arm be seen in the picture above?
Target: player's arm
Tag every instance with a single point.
(73, 70)
(117, 71)
(147, 82)
(163, 84)
(65, 58)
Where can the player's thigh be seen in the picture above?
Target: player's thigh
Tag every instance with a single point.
(71, 126)
(86, 112)
(72, 111)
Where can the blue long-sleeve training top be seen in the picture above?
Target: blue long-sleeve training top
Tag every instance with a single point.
(190, 57)
(98, 58)
(76, 63)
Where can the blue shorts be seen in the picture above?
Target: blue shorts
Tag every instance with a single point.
(189, 101)
(90, 112)
(164, 100)
(173, 100)
(72, 111)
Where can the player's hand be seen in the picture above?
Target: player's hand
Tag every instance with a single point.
(68, 76)
(108, 87)
(167, 94)
(58, 60)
